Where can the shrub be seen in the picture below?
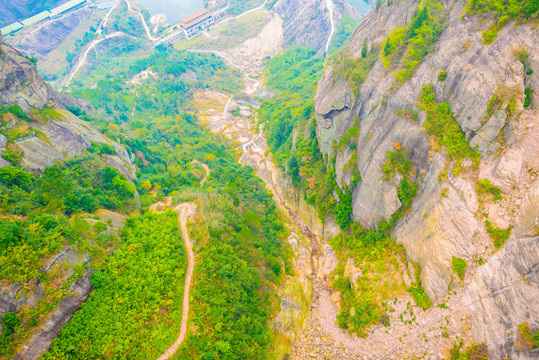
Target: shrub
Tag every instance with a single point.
(12, 176)
(18, 112)
(101, 148)
(443, 126)
(526, 339)
(397, 162)
(365, 48)
(498, 236)
(459, 266)
(485, 187)
(420, 296)
(12, 156)
(442, 75)
(527, 101)
(343, 210)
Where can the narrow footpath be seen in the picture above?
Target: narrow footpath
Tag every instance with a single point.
(185, 213)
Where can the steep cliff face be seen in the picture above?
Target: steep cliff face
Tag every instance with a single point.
(485, 90)
(53, 132)
(308, 23)
(19, 81)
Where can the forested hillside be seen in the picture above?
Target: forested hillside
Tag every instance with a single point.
(388, 209)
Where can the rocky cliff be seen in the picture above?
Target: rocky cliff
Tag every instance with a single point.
(41, 130)
(308, 22)
(52, 132)
(485, 88)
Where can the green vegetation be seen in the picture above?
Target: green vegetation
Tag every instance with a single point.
(398, 162)
(342, 34)
(354, 70)
(407, 47)
(18, 112)
(136, 307)
(444, 128)
(442, 75)
(11, 322)
(473, 352)
(239, 236)
(293, 75)
(504, 11)
(528, 97)
(101, 148)
(498, 236)
(240, 6)
(365, 48)
(486, 188)
(527, 339)
(343, 210)
(81, 184)
(26, 247)
(459, 266)
(378, 256)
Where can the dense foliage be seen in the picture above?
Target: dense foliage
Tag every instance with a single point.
(378, 256)
(504, 11)
(136, 307)
(406, 47)
(459, 266)
(239, 234)
(81, 184)
(26, 246)
(442, 125)
(498, 236)
(293, 75)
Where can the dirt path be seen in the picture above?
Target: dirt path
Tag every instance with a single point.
(185, 212)
(148, 33)
(83, 58)
(206, 168)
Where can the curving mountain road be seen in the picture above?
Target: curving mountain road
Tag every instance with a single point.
(82, 59)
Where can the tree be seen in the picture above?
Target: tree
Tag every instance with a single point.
(13, 176)
(365, 48)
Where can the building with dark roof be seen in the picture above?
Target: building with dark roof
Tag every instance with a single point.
(197, 22)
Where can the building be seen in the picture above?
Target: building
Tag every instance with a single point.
(171, 39)
(54, 13)
(197, 22)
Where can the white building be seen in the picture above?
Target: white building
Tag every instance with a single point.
(197, 22)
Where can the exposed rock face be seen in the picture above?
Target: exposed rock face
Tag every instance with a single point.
(66, 136)
(505, 292)
(19, 81)
(17, 296)
(307, 22)
(445, 220)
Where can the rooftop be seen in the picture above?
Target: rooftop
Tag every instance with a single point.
(11, 28)
(195, 18)
(68, 5)
(36, 18)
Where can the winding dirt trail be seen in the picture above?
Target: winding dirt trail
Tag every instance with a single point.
(83, 58)
(148, 33)
(206, 168)
(185, 211)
